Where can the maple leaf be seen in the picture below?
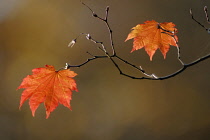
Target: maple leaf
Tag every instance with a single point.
(152, 36)
(49, 86)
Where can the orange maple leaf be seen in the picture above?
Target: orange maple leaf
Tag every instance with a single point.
(153, 35)
(48, 86)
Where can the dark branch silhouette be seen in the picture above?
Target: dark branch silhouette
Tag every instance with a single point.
(207, 18)
(114, 54)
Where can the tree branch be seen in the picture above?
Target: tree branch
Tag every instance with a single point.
(114, 54)
(107, 24)
(207, 18)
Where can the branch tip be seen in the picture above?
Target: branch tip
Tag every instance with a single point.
(71, 44)
(205, 8)
(66, 66)
(191, 12)
(107, 8)
(88, 36)
(87, 7)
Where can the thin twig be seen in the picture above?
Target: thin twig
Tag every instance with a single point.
(185, 67)
(178, 51)
(107, 24)
(134, 66)
(88, 60)
(191, 13)
(107, 13)
(207, 18)
(173, 35)
(206, 13)
(114, 55)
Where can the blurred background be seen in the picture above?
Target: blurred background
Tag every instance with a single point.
(108, 106)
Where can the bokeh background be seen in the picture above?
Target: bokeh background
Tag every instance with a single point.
(108, 106)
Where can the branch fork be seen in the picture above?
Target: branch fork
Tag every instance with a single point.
(114, 54)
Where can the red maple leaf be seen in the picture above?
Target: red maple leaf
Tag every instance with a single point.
(48, 86)
(152, 36)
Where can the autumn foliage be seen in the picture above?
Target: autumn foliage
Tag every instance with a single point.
(49, 86)
(152, 36)
(55, 87)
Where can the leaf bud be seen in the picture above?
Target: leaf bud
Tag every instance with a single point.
(88, 36)
(71, 44)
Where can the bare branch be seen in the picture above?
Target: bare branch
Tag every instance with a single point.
(206, 13)
(191, 13)
(107, 13)
(107, 24)
(114, 55)
(82, 64)
(207, 18)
